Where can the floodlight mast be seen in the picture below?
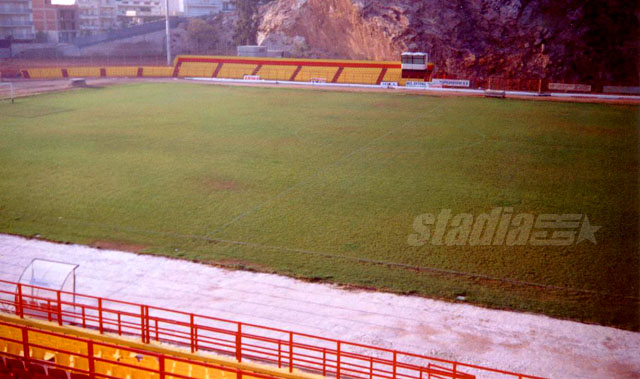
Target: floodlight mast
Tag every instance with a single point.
(166, 18)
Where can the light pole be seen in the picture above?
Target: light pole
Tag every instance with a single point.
(168, 36)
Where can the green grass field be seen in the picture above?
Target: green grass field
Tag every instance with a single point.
(326, 186)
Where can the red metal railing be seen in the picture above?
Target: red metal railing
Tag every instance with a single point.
(244, 341)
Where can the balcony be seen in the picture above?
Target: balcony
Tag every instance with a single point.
(199, 5)
(16, 24)
(11, 10)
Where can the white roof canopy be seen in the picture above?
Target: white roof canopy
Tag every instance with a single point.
(50, 274)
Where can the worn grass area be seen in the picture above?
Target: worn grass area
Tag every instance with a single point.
(326, 186)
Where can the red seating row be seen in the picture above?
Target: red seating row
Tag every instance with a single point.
(11, 368)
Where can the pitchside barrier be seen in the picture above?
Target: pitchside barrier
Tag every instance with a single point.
(243, 341)
(311, 70)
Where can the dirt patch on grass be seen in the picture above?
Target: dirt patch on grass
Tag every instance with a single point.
(215, 184)
(121, 246)
(237, 264)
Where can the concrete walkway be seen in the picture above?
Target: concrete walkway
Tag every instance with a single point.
(532, 344)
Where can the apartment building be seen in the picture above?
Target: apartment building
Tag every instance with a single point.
(58, 23)
(96, 16)
(196, 8)
(131, 12)
(16, 20)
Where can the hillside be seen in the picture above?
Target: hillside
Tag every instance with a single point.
(571, 40)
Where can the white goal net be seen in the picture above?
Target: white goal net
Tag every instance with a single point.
(7, 92)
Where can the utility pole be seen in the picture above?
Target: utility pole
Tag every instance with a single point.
(168, 36)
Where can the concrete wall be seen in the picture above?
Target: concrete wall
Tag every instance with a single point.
(142, 45)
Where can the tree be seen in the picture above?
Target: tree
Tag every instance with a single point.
(203, 34)
(247, 26)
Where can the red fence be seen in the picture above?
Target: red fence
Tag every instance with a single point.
(244, 341)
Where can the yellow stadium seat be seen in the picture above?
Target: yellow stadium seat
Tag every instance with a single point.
(178, 367)
(308, 73)
(83, 71)
(103, 368)
(45, 73)
(236, 71)
(63, 359)
(134, 373)
(9, 332)
(80, 363)
(149, 362)
(198, 371)
(14, 348)
(274, 72)
(157, 71)
(393, 75)
(121, 372)
(357, 75)
(197, 69)
(38, 353)
(105, 352)
(116, 71)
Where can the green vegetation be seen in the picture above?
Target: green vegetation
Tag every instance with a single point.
(326, 186)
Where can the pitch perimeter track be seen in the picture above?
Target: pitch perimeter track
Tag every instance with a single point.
(30, 87)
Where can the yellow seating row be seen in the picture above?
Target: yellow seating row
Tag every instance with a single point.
(275, 72)
(157, 71)
(112, 360)
(236, 71)
(232, 71)
(83, 72)
(122, 71)
(309, 73)
(197, 69)
(393, 75)
(45, 73)
(357, 75)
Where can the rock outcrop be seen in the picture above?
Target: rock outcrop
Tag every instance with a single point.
(579, 40)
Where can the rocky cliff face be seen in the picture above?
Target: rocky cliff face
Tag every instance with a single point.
(586, 40)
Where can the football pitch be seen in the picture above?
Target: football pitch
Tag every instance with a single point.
(327, 186)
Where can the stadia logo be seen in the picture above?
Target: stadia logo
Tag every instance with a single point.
(501, 227)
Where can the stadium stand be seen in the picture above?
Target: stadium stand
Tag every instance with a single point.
(156, 71)
(311, 73)
(120, 71)
(83, 72)
(356, 75)
(272, 72)
(95, 336)
(235, 70)
(301, 70)
(52, 354)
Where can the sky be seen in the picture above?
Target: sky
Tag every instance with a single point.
(63, 2)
